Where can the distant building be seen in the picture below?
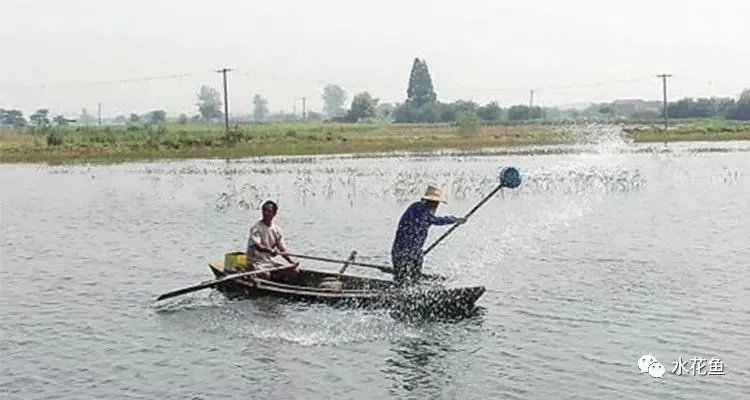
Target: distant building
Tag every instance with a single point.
(337, 119)
(632, 106)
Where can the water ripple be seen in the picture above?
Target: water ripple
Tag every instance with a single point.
(598, 258)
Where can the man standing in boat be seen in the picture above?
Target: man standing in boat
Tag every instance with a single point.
(265, 242)
(413, 227)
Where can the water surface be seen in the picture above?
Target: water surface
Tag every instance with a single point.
(596, 260)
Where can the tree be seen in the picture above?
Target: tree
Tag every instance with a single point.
(334, 97)
(420, 91)
(40, 117)
(464, 107)
(363, 106)
(490, 112)
(470, 123)
(741, 110)
(85, 117)
(701, 108)
(519, 113)
(421, 100)
(60, 120)
(12, 117)
(448, 112)
(607, 111)
(260, 108)
(429, 113)
(209, 103)
(385, 111)
(182, 119)
(156, 117)
(725, 106)
(134, 118)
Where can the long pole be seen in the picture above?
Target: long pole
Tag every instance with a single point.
(99, 106)
(224, 71)
(304, 109)
(664, 95)
(473, 210)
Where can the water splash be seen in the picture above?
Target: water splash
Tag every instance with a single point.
(552, 198)
(277, 320)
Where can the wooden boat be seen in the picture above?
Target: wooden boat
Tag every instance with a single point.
(357, 292)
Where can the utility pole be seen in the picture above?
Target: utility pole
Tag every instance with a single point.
(224, 71)
(531, 104)
(304, 109)
(664, 88)
(99, 105)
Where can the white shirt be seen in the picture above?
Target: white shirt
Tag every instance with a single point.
(268, 236)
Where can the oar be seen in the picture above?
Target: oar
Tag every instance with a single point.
(350, 260)
(509, 177)
(215, 282)
(383, 268)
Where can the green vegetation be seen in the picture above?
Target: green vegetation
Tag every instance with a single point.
(179, 141)
(144, 141)
(420, 122)
(691, 131)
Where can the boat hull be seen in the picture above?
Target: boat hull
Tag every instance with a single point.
(358, 292)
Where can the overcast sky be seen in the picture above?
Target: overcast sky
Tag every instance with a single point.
(68, 54)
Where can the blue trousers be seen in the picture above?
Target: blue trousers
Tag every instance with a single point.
(407, 267)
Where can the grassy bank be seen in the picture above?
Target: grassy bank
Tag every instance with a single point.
(140, 142)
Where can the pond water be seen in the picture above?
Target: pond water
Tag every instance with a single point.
(596, 260)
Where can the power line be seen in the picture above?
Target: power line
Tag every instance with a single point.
(319, 81)
(552, 87)
(101, 83)
(467, 91)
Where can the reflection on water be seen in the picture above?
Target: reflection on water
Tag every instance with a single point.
(417, 365)
(424, 365)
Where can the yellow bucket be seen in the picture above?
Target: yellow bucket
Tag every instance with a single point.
(235, 261)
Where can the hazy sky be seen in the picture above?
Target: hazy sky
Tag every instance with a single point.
(68, 54)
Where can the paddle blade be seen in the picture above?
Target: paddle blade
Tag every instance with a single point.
(510, 177)
(207, 284)
(215, 282)
(180, 292)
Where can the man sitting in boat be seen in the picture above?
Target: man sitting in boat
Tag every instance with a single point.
(265, 241)
(413, 227)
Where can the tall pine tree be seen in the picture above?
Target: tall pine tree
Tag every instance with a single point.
(420, 90)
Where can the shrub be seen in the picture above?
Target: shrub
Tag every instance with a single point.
(469, 124)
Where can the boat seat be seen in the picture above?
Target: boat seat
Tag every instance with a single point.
(331, 283)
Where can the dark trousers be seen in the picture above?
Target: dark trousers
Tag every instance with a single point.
(407, 268)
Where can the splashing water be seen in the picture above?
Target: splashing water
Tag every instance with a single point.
(279, 320)
(553, 197)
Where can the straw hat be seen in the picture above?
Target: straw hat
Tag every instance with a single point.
(434, 193)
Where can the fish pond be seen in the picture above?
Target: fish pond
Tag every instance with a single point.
(599, 258)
